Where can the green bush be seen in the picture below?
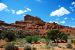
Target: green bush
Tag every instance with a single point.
(53, 34)
(43, 40)
(11, 46)
(35, 39)
(2, 35)
(10, 35)
(20, 34)
(29, 39)
(56, 34)
(63, 36)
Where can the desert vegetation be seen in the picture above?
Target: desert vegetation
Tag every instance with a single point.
(26, 39)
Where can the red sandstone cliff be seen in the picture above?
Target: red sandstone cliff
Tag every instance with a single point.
(34, 23)
(34, 20)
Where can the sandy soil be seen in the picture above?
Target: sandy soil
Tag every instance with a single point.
(41, 46)
(2, 42)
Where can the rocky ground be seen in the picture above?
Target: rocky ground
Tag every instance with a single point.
(42, 46)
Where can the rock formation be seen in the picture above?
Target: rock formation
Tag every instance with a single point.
(34, 20)
(36, 24)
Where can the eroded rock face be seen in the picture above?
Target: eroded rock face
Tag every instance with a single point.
(3, 23)
(33, 23)
(34, 20)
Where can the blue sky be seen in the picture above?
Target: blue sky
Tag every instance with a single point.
(59, 11)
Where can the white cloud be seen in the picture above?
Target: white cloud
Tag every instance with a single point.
(73, 3)
(3, 6)
(13, 11)
(19, 12)
(28, 9)
(62, 22)
(25, 10)
(60, 12)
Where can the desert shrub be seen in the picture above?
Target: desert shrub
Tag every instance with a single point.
(2, 35)
(43, 40)
(11, 46)
(63, 36)
(9, 35)
(21, 42)
(53, 34)
(35, 39)
(20, 34)
(28, 47)
(69, 46)
(29, 39)
(24, 33)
